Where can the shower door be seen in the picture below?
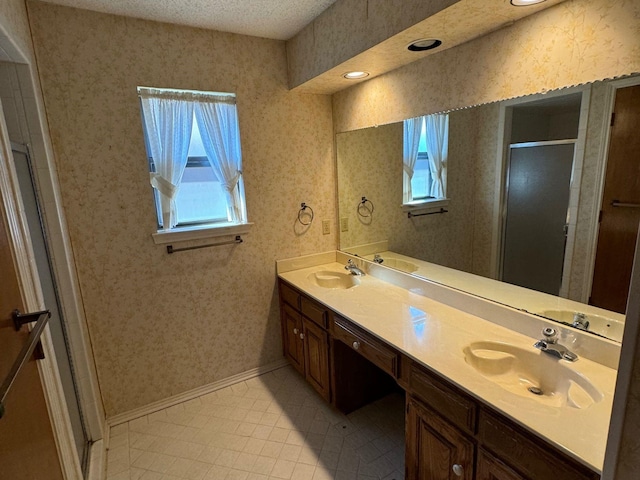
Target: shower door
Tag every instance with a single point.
(49, 290)
(535, 226)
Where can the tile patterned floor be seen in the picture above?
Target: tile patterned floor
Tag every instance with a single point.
(270, 427)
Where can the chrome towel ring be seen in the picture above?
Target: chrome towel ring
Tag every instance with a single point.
(302, 211)
(365, 208)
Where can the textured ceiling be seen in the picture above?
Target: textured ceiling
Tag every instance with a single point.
(277, 19)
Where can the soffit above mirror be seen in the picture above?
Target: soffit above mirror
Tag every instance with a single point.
(373, 37)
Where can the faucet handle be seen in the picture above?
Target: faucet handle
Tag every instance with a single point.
(550, 335)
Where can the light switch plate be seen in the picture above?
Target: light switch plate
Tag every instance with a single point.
(326, 227)
(344, 224)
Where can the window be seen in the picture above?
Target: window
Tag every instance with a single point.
(195, 160)
(425, 151)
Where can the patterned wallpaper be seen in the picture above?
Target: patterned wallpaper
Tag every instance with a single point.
(567, 44)
(163, 324)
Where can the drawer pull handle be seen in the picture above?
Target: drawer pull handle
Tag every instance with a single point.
(295, 331)
(356, 345)
(458, 470)
(302, 336)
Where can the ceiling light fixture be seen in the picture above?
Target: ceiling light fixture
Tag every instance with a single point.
(355, 75)
(524, 3)
(424, 44)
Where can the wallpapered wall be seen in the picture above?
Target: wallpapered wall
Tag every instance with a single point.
(163, 324)
(567, 44)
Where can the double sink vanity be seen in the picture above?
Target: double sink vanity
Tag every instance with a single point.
(482, 402)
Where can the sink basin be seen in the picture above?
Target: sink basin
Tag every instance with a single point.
(533, 374)
(607, 327)
(399, 264)
(330, 279)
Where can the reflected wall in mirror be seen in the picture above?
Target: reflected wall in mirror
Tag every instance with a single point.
(525, 180)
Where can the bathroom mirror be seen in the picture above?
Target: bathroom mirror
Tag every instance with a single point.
(520, 174)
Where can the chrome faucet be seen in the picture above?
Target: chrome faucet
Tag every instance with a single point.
(580, 321)
(549, 344)
(377, 258)
(353, 269)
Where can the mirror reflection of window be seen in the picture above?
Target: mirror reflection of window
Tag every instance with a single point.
(425, 151)
(422, 179)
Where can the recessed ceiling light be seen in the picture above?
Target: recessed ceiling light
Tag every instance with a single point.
(424, 44)
(524, 3)
(355, 75)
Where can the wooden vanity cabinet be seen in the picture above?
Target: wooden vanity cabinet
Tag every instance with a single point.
(490, 468)
(447, 427)
(435, 449)
(305, 341)
(449, 434)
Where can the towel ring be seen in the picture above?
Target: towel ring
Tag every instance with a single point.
(303, 209)
(363, 206)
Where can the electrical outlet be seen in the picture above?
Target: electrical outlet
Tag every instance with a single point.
(344, 224)
(326, 227)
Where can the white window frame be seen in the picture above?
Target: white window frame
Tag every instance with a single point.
(197, 230)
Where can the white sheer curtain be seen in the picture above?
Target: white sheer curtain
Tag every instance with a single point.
(411, 142)
(218, 123)
(168, 120)
(437, 127)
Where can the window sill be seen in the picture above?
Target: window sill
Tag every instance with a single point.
(197, 233)
(425, 206)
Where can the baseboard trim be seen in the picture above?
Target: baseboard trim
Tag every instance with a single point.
(98, 459)
(191, 394)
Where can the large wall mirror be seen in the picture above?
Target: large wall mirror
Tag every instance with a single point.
(542, 203)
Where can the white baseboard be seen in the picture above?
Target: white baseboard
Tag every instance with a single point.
(98, 459)
(191, 394)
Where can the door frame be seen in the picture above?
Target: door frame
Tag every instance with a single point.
(603, 156)
(502, 163)
(30, 99)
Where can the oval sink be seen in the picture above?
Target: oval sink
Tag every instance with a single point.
(330, 279)
(532, 374)
(607, 327)
(400, 264)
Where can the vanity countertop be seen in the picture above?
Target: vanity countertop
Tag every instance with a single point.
(435, 335)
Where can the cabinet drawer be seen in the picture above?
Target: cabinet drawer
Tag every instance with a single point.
(458, 409)
(314, 311)
(289, 295)
(527, 453)
(366, 345)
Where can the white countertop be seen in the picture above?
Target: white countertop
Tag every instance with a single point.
(435, 335)
(530, 300)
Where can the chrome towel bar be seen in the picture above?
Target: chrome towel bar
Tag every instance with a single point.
(238, 239)
(19, 319)
(411, 215)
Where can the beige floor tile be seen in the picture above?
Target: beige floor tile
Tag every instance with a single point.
(273, 427)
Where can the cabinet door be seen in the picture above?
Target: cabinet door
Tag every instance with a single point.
(316, 353)
(489, 468)
(435, 450)
(292, 337)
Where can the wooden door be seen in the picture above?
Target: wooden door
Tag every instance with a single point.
(620, 206)
(27, 446)
(316, 357)
(490, 468)
(292, 337)
(435, 450)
